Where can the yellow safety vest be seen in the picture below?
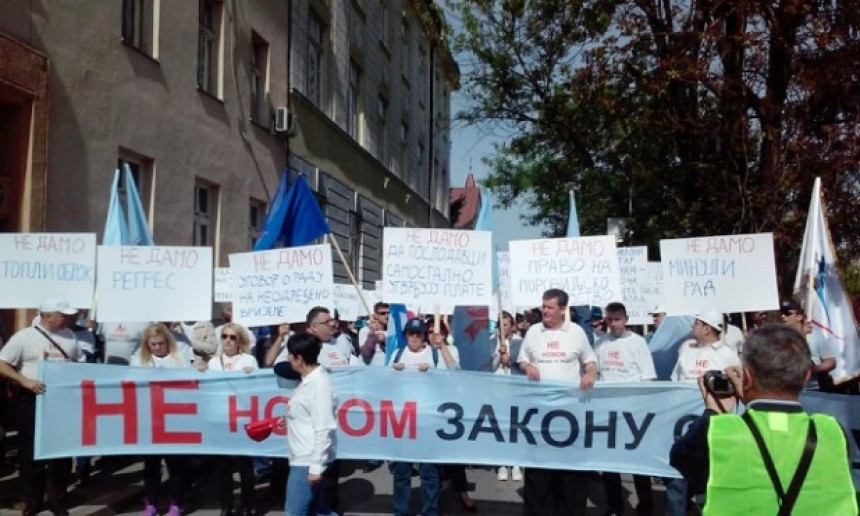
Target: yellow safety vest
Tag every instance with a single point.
(738, 482)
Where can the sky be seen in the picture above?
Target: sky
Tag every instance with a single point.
(469, 145)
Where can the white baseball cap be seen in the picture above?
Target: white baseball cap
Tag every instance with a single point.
(659, 309)
(712, 318)
(55, 304)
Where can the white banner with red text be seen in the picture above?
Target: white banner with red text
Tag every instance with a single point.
(437, 416)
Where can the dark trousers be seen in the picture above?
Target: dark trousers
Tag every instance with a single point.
(226, 466)
(34, 473)
(615, 497)
(457, 475)
(554, 491)
(177, 472)
(329, 486)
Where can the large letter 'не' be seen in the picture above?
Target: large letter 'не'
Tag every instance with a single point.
(160, 409)
(91, 410)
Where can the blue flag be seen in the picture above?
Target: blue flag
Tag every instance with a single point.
(485, 223)
(295, 217)
(394, 338)
(138, 229)
(572, 218)
(116, 228)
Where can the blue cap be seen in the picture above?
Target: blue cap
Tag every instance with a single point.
(596, 312)
(415, 324)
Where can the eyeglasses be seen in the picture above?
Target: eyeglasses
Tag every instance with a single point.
(381, 313)
(327, 322)
(229, 336)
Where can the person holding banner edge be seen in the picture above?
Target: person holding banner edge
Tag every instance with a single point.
(48, 339)
(793, 462)
(556, 349)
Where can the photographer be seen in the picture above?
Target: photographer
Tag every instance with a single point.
(775, 458)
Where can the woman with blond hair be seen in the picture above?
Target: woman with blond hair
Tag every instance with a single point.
(158, 350)
(234, 357)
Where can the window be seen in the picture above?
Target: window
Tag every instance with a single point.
(404, 150)
(422, 84)
(314, 78)
(259, 78)
(208, 46)
(407, 56)
(419, 164)
(256, 218)
(353, 102)
(383, 24)
(205, 196)
(382, 138)
(141, 171)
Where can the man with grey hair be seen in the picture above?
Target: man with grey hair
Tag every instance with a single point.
(775, 458)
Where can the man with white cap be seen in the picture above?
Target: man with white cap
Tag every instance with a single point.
(657, 316)
(706, 351)
(50, 339)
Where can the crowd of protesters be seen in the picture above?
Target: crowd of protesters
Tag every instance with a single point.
(602, 348)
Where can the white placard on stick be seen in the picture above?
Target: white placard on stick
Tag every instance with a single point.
(346, 301)
(36, 266)
(633, 269)
(281, 285)
(154, 283)
(584, 267)
(732, 273)
(652, 290)
(504, 258)
(223, 286)
(430, 267)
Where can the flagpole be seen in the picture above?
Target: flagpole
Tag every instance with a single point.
(333, 240)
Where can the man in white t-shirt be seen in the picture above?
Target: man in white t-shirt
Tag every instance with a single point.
(48, 340)
(121, 340)
(371, 338)
(556, 350)
(623, 356)
(706, 351)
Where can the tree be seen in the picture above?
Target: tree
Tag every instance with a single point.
(690, 117)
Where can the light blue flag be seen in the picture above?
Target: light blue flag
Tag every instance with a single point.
(138, 229)
(673, 331)
(485, 223)
(394, 338)
(572, 218)
(116, 228)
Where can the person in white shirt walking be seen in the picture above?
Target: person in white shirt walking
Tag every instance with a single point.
(507, 349)
(623, 356)
(311, 427)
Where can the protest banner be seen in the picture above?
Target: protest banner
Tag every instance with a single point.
(347, 303)
(154, 283)
(430, 267)
(732, 273)
(584, 267)
(281, 285)
(652, 290)
(36, 266)
(633, 272)
(223, 285)
(504, 260)
(438, 416)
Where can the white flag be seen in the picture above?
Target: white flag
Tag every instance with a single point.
(818, 288)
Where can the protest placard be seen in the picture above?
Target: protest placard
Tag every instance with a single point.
(731, 273)
(652, 290)
(429, 267)
(346, 301)
(36, 266)
(223, 286)
(154, 283)
(584, 267)
(281, 285)
(504, 260)
(633, 270)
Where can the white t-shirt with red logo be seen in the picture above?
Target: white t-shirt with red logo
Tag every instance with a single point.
(238, 362)
(624, 359)
(558, 354)
(695, 359)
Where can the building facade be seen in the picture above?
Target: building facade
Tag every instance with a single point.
(207, 102)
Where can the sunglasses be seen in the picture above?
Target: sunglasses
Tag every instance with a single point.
(229, 336)
(381, 313)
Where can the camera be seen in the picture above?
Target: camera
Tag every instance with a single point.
(718, 383)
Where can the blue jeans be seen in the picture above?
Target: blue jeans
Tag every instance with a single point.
(676, 497)
(430, 487)
(302, 497)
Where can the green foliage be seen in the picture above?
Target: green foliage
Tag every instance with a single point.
(692, 118)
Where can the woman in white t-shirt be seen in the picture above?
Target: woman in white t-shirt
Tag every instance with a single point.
(234, 357)
(158, 349)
